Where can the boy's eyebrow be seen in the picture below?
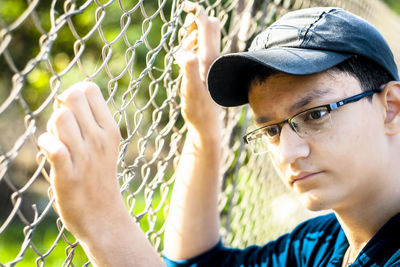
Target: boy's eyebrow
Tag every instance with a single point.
(302, 102)
(308, 98)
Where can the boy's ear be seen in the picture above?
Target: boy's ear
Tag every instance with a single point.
(390, 97)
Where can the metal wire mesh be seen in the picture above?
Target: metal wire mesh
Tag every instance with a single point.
(127, 48)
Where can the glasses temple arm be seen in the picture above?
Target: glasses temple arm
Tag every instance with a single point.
(354, 98)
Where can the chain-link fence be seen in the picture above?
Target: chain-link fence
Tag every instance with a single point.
(127, 46)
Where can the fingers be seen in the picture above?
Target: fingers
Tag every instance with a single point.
(190, 21)
(189, 7)
(209, 38)
(56, 152)
(207, 43)
(85, 101)
(208, 27)
(81, 119)
(192, 77)
(201, 17)
(98, 105)
(64, 126)
(187, 49)
(188, 26)
(190, 42)
(197, 11)
(74, 99)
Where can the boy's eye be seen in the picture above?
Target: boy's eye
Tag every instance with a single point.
(272, 131)
(315, 114)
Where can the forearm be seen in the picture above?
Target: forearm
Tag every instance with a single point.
(192, 226)
(193, 222)
(121, 243)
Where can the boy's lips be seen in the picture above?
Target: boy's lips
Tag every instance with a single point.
(302, 176)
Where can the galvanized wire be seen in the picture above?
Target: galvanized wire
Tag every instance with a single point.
(127, 47)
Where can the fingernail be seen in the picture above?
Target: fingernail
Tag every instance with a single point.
(48, 143)
(58, 102)
(189, 7)
(182, 33)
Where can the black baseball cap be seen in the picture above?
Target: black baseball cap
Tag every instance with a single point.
(302, 42)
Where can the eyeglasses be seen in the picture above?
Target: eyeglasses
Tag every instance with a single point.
(308, 122)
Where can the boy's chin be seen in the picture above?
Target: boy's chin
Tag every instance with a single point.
(313, 203)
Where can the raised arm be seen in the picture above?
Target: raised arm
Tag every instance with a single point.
(81, 144)
(192, 226)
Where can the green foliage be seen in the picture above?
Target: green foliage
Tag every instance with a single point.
(43, 238)
(394, 5)
(46, 233)
(25, 45)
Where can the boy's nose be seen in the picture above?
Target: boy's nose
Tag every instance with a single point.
(291, 146)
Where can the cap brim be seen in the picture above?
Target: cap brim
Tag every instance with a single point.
(228, 75)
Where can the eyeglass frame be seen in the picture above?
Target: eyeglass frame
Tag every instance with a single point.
(329, 107)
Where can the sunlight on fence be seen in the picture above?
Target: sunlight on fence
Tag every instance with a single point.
(127, 48)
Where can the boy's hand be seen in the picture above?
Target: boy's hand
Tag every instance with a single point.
(199, 49)
(81, 143)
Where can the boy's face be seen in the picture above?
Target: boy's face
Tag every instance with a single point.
(339, 167)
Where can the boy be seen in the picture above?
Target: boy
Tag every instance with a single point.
(325, 94)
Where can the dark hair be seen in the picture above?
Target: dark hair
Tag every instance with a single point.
(370, 74)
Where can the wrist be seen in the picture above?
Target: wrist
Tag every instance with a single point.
(108, 238)
(119, 243)
(210, 139)
(103, 220)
